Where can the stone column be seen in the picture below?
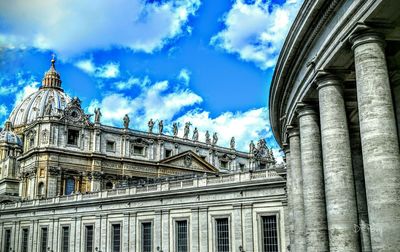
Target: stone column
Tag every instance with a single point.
(203, 233)
(157, 242)
(289, 217)
(379, 141)
(358, 170)
(194, 230)
(166, 235)
(132, 232)
(125, 232)
(341, 208)
(248, 235)
(237, 229)
(313, 181)
(297, 191)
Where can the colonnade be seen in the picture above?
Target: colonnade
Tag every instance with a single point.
(345, 181)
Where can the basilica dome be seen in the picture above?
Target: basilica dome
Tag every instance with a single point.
(49, 100)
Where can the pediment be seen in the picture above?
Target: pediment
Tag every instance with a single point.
(189, 160)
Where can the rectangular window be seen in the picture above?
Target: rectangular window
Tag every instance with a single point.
(43, 240)
(138, 150)
(73, 136)
(7, 240)
(263, 166)
(181, 236)
(110, 146)
(168, 153)
(89, 238)
(65, 239)
(269, 234)
(24, 240)
(116, 237)
(222, 234)
(224, 164)
(146, 237)
(241, 166)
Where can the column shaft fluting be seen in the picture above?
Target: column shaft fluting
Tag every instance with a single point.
(297, 191)
(313, 182)
(379, 141)
(341, 208)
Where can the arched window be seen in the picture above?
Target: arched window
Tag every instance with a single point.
(69, 186)
(109, 185)
(41, 189)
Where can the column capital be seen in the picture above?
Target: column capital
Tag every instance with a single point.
(328, 80)
(366, 36)
(292, 131)
(304, 109)
(286, 148)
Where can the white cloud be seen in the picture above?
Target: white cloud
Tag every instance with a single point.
(3, 110)
(30, 88)
(156, 100)
(107, 71)
(131, 82)
(73, 27)
(184, 76)
(256, 31)
(244, 126)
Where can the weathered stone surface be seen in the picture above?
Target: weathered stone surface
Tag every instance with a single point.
(340, 198)
(316, 232)
(297, 189)
(358, 170)
(379, 140)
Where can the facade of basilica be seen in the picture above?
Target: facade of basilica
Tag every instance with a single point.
(70, 183)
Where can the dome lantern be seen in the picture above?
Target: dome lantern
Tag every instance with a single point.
(52, 78)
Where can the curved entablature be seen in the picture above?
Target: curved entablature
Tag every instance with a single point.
(318, 43)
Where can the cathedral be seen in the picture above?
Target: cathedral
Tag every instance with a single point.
(70, 183)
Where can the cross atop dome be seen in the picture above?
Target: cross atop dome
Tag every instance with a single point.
(52, 78)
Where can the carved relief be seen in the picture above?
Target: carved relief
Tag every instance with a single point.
(45, 136)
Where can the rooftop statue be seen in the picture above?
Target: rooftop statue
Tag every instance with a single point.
(186, 130)
(208, 140)
(195, 134)
(151, 125)
(175, 129)
(160, 126)
(233, 143)
(126, 121)
(97, 115)
(215, 138)
(252, 147)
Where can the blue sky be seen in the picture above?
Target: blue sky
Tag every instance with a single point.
(203, 61)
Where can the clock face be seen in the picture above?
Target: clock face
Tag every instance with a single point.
(74, 114)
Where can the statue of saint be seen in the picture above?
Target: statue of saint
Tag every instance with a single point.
(49, 108)
(151, 125)
(126, 121)
(97, 115)
(208, 140)
(233, 142)
(186, 131)
(195, 134)
(215, 138)
(175, 129)
(252, 147)
(160, 126)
